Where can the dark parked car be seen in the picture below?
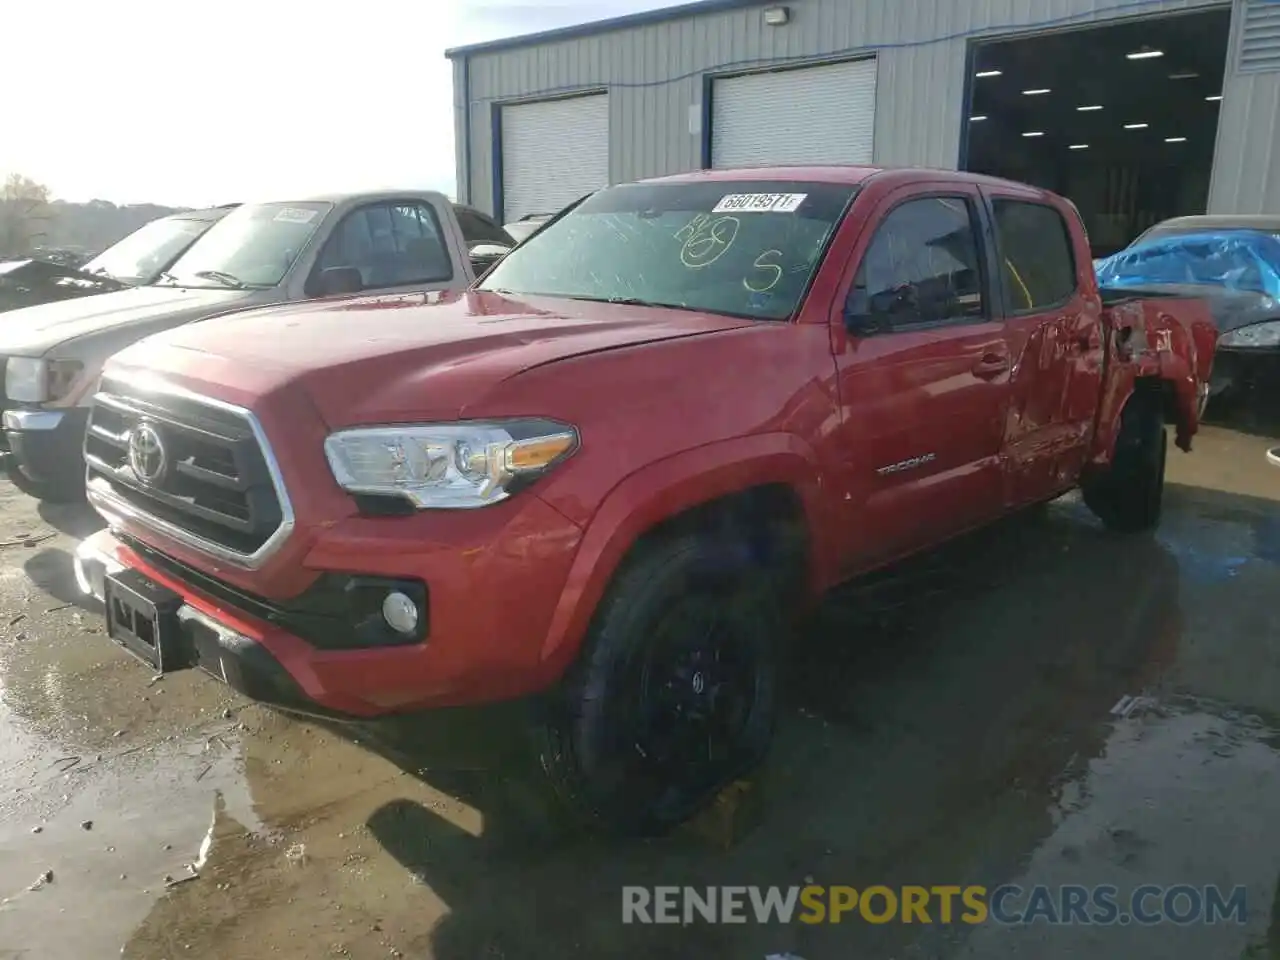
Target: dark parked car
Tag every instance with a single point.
(1234, 261)
(140, 258)
(487, 241)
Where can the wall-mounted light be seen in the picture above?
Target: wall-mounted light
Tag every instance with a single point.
(777, 16)
(987, 73)
(1145, 53)
(1215, 98)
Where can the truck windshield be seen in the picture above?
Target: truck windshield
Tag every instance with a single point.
(253, 246)
(742, 248)
(140, 256)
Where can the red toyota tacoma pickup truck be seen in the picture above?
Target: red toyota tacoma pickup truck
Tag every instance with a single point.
(608, 473)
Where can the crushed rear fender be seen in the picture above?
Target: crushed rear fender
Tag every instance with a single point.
(1166, 338)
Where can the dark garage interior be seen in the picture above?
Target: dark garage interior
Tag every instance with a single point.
(1121, 119)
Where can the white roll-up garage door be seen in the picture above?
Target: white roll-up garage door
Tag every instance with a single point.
(821, 114)
(553, 151)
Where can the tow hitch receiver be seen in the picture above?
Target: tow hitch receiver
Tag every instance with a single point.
(142, 616)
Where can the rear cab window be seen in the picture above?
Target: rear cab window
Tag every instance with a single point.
(392, 244)
(1037, 259)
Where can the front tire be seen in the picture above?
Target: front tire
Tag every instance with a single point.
(675, 692)
(1129, 496)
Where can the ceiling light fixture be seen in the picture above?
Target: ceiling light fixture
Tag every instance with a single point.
(1175, 139)
(977, 117)
(988, 73)
(1034, 133)
(1214, 98)
(1136, 126)
(1092, 106)
(1146, 53)
(1036, 92)
(1078, 146)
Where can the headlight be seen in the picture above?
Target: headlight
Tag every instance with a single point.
(1255, 335)
(448, 465)
(35, 380)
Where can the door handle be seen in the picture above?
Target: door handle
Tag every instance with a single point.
(991, 365)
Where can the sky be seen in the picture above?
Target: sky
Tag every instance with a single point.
(198, 102)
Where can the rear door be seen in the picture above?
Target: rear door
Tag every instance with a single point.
(923, 372)
(1054, 329)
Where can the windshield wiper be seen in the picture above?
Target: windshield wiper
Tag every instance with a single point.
(167, 276)
(226, 279)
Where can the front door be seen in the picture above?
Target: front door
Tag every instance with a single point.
(1055, 338)
(923, 368)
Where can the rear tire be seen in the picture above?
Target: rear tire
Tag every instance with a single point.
(674, 694)
(1129, 496)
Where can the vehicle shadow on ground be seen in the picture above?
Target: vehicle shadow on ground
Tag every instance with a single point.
(933, 714)
(76, 519)
(52, 570)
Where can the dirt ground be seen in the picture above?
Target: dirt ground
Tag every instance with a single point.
(952, 723)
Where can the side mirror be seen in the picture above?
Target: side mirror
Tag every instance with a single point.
(858, 317)
(336, 281)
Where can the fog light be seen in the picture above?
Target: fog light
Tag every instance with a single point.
(400, 612)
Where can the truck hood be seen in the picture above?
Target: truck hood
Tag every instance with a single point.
(32, 331)
(401, 358)
(25, 283)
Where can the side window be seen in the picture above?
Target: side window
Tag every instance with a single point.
(477, 228)
(1039, 266)
(922, 266)
(391, 244)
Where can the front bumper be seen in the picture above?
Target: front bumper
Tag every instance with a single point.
(1234, 369)
(237, 659)
(491, 595)
(47, 445)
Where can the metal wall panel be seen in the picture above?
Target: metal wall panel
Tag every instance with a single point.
(1246, 168)
(821, 114)
(657, 73)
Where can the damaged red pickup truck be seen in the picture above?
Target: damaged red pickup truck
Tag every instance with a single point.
(606, 473)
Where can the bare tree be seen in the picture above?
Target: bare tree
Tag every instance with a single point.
(24, 215)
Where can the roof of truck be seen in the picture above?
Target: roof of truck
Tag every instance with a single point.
(842, 173)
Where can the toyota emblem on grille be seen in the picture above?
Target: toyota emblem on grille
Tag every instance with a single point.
(147, 456)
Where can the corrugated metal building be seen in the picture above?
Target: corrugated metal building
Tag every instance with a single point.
(544, 118)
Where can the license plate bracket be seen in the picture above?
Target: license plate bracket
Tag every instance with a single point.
(142, 617)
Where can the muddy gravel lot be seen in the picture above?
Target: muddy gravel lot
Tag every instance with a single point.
(1042, 703)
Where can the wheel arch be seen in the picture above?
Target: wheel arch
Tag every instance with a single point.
(725, 485)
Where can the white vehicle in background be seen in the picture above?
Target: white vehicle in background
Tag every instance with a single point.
(258, 254)
(527, 226)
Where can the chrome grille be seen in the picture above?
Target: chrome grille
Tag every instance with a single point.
(215, 485)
